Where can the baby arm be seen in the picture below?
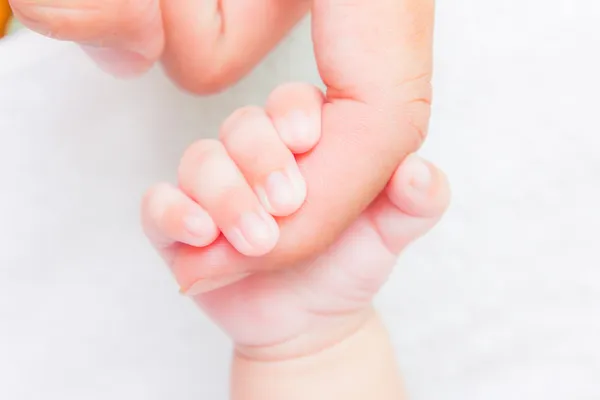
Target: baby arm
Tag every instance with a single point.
(361, 366)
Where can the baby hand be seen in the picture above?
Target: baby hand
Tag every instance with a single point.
(237, 184)
(301, 309)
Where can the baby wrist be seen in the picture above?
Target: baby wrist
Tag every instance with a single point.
(334, 329)
(360, 366)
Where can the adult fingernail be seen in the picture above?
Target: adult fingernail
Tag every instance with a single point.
(283, 191)
(419, 173)
(210, 284)
(255, 234)
(120, 63)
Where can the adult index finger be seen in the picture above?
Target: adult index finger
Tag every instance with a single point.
(375, 58)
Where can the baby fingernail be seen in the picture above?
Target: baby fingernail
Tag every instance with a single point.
(255, 234)
(298, 130)
(199, 224)
(210, 284)
(284, 191)
(419, 172)
(298, 126)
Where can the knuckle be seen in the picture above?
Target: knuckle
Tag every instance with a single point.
(150, 200)
(194, 156)
(237, 136)
(253, 143)
(230, 132)
(154, 205)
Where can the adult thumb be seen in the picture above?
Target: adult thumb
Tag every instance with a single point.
(375, 57)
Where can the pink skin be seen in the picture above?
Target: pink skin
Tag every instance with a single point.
(271, 308)
(274, 308)
(373, 56)
(236, 185)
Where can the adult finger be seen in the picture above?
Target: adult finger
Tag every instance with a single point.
(376, 59)
(124, 37)
(210, 44)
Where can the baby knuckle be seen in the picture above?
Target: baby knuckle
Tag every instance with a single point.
(230, 132)
(151, 201)
(195, 155)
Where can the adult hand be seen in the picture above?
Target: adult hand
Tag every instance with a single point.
(205, 45)
(374, 57)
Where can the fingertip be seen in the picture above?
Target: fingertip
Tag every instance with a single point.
(169, 216)
(295, 109)
(284, 191)
(255, 233)
(419, 188)
(299, 131)
(269, 167)
(199, 229)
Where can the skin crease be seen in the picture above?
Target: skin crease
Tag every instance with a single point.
(361, 366)
(374, 57)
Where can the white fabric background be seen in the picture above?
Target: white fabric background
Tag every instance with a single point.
(500, 301)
